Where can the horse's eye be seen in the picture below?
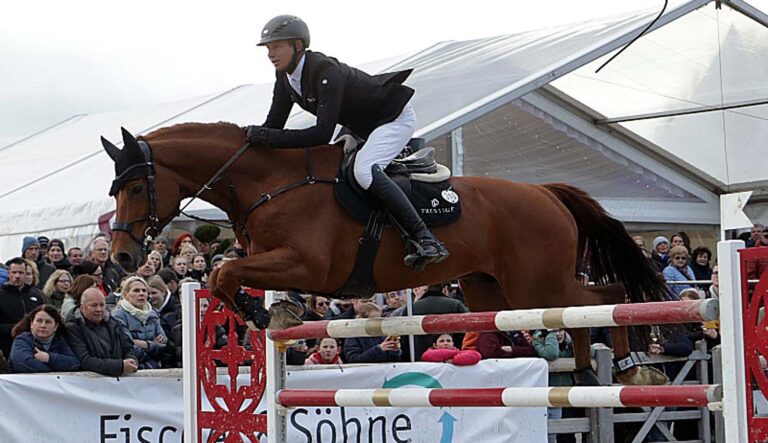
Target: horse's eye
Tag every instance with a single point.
(136, 189)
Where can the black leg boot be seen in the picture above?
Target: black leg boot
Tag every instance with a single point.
(252, 309)
(427, 248)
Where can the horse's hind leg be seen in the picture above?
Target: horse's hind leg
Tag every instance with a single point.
(626, 372)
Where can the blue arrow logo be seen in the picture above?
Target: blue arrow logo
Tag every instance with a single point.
(447, 421)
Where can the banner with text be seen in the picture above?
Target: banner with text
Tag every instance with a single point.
(81, 407)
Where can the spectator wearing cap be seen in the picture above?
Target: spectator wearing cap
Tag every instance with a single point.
(161, 246)
(56, 255)
(660, 253)
(30, 250)
(43, 241)
(17, 299)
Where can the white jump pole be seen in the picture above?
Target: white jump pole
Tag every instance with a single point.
(731, 328)
(189, 359)
(277, 427)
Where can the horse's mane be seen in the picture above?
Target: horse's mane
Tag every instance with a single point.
(196, 131)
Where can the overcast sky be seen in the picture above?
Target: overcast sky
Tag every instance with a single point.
(82, 57)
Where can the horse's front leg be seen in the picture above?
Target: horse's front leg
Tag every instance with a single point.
(278, 268)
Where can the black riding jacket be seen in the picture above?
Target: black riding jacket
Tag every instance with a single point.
(336, 94)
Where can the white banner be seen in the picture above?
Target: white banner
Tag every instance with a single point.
(399, 425)
(89, 408)
(85, 408)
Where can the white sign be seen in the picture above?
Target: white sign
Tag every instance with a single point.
(82, 407)
(732, 214)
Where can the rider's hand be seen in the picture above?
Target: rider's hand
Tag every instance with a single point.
(257, 135)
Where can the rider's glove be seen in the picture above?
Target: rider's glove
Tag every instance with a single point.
(257, 135)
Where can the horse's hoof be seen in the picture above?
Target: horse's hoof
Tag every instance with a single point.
(642, 375)
(585, 377)
(285, 315)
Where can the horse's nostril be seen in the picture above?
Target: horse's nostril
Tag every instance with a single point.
(125, 260)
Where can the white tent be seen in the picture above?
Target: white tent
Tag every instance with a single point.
(527, 107)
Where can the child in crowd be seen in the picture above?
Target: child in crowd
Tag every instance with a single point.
(442, 350)
(327, 353)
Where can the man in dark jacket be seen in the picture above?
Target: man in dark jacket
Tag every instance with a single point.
(98, 340)
(436, 301)
(16, 301)
(375, 108)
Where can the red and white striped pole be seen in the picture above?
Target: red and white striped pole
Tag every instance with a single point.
(573, 317)
(575, 397)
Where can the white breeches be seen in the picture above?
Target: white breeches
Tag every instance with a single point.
(384, 144)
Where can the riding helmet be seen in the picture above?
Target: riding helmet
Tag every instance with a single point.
(285, 27)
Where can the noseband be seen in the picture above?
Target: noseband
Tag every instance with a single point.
(145, 169)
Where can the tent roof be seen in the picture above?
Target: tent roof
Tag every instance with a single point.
(486, 106)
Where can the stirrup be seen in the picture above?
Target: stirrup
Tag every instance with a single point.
(419, 259)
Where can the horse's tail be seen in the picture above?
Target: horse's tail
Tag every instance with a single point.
(605, 245)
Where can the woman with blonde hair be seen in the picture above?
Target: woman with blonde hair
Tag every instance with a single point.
(57, 287)
(32, 276)
(165, 303)
(188, 251)
(141, 323)
(157, 259)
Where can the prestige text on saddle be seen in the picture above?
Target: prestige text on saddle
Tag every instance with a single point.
(515, 246)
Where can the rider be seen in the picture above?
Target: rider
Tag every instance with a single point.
(377, 108)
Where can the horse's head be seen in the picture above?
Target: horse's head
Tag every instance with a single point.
(140, 214)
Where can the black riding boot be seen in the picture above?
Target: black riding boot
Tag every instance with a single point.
(427, 248)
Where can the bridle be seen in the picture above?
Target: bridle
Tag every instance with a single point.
(146, 169)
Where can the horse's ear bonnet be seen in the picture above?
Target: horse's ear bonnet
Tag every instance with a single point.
(132, 162)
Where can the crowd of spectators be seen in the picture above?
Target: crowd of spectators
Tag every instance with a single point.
(75, 309)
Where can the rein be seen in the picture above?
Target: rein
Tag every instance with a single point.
(155, 224)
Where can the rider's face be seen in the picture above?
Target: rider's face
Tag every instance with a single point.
(280, 54)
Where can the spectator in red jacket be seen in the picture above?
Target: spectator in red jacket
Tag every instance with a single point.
(326, 354)
(510, 344)
(443, 350)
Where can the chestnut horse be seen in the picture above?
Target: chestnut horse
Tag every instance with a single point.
(515, 245)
